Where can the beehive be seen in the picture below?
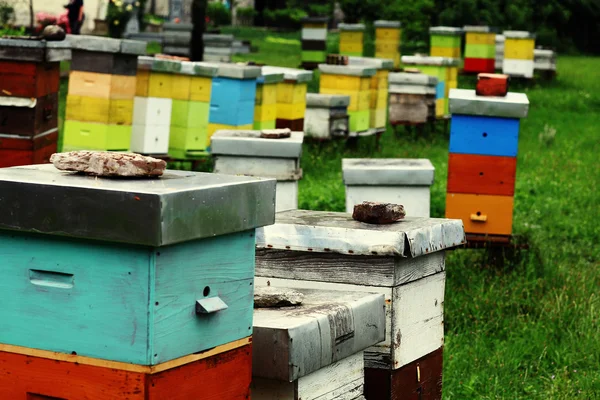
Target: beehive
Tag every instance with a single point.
(29, 84)
(403, 261)
(484, 135)
(411, 98)
(388, 36)
(102, 87)
(326, 115)
(544, 60)
(265, 109)
(232, 100)
(152, 285)
(445, 69)
(245, 152)
(499, 52)
(217, 47)
(353, 81)
(379, 89)
(480, 49)
(445, 41)
(389, 180)
(314, 41)
(291, 96)
(323, 339)
(518, 54)
(351, 39)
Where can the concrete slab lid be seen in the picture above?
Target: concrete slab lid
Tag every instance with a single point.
(236, 71)
(198, 69)
(320, 100)
(379, 63)
(465, 101)
(351, 70)
(249, 143)
(134, 47)
(518, 35)
(334, 232)
(351, 27)
(477, 28)
(387, 171)
(158, 64)
(407, 78)
(429, 60)
(289, 74)
(445, 30)
(179, 206)
(311, 330)
(387, 24)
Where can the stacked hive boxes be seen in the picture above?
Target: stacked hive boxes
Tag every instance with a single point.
(145, 294)
(351, 39)
(405, 262)
(291, 96)
(314, 41)
(353, 81)
(445, 69)
(248, 153)
(102, 86)
(387, 40)
(544, 60)
(324, 338)
(482, 164)
(233, 94)
(499, 52)
(326, 115)
(480, 49)
(379, 89)
(29, 83)
(445, 41)
(217, 47)
(518, 53)
(265, 109)
(176, 38)
(412, 98)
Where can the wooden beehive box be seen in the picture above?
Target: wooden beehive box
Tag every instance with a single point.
(480, 49)
(326, 115)
(265, 109)
(314, 41)
(412, 98)
(388, 40)
(351, 39)
(445, 41)
(518, 54)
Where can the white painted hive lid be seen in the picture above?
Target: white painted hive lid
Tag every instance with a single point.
(334, 232)
(407, 78)
(351, 27)
(350, 70)
(429, 60)
(320, 100)
(147, 63)
(249, 143)
(289, 74)
(387, 24)
(476, 28)
(518, 35)
(379, 63)
(465, 101)
(388, 171)
(445, 30)
(236, 71)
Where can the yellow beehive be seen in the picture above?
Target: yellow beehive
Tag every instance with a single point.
(101, 110)
(200, 89)
(291, 92)
(519, 49)
(92, 84)
(351, 39)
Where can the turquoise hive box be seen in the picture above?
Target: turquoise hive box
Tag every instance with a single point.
(137, 271)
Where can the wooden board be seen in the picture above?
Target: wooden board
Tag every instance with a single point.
(481, 213)
(26, 121)
(224, 375)
(468, 173)
(419, 380)
(23, 79)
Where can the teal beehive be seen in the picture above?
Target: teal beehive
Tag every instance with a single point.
(137, 271)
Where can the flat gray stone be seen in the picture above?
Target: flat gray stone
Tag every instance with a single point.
(275, 133)
(107, 164)
(271, 297)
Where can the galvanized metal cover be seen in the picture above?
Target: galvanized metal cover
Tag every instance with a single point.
(249, 143)
(318, 100)
(379, 63)
(476, 28)
(518, 35)
(236, 71)
(465, 101)
(406, 78)
(387, 24)
(428, 60)
(198, 69)
(180, 206)
(159, 65)
(268, 78)
(387, 171)
(333, 232)
(445, 30)
(352, 70)
(106, 45)
(351, 27)
(37, 50)
(289, 74)
(292, 342)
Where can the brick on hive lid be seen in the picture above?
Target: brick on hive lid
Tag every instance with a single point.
(492, 84)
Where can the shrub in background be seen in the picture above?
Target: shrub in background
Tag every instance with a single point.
(218, 14)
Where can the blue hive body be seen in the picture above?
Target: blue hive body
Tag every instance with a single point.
(491, 136)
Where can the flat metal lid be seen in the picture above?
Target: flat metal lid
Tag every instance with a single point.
(395, 88)
(147, 63)
(518, 35)
(236, 71)
(198, 69)
(316, 20)
(44, 51)
(387, 24)
(407, 78)
(333, 232)
(271, 77)
(292, 342)
(388, 171)
(180, 206)
(319, 100)
(289, 74)
(477, 28)
(379, 63)
(429, 60)
(106, 45)
(249, 143)
(351, 70)
(445, 30)
(351, 27)
(465, 101)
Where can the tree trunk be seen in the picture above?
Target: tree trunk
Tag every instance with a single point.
(199, 22)
(31, 18)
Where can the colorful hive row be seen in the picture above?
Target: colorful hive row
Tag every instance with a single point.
(445, 69)
(265, 109)
(353, 81)
(351, 39)
(518, 53)
(102, 86)
(379, 89)
(482, 164)
(445, 41)
(314, 41)
(291, 96)
(411, 98)
(480, 49)
(29, 84)
(388, 40)
(148, 292)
